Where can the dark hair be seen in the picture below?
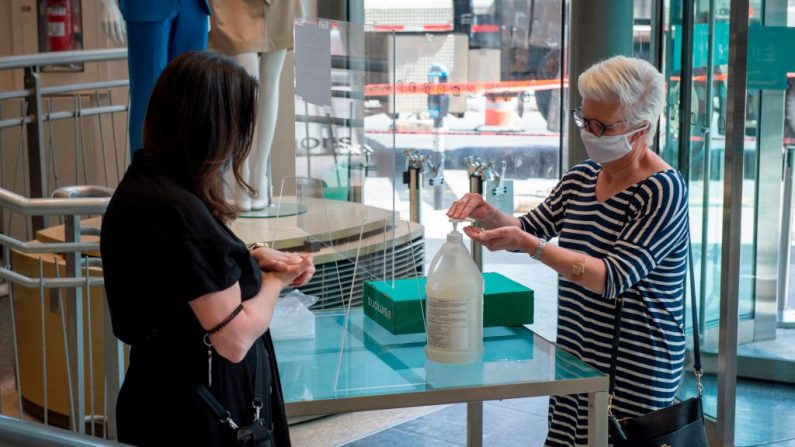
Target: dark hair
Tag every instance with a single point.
(201, 114)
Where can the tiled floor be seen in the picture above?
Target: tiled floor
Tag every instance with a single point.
(505, 423)
(764, 418)
(764, 413)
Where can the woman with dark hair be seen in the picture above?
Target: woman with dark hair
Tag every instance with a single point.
(188, 296)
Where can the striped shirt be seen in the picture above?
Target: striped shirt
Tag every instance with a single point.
(641, 236)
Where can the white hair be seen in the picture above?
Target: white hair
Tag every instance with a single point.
(633, 84)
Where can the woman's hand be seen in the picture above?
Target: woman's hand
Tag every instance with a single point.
(270, 260)
(295, 274)
(309, 270)
(291, 269)
(472, 205)
(504, 238)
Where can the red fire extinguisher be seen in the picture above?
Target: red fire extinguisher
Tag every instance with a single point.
(59, 25)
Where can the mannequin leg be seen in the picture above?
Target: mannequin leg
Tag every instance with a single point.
(270, 68)
(190, 29)
(238, 195)
(150, 46)
(147, 55)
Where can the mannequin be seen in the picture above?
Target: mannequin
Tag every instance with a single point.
(259, 42)
(112, 22)
(266, 67)
(157, 32)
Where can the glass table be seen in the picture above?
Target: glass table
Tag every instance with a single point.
(354, 364)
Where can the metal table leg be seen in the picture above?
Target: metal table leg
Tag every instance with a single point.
(597, 419)
(475, 424)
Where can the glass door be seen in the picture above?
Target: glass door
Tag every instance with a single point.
(694, 137)
(696, 67)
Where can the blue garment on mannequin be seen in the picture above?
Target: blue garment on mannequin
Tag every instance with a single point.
(153, 10)
(157, 32)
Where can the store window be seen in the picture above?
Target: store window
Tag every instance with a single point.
(469, 89)
(478, 93)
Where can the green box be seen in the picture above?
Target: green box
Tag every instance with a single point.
(395, 305)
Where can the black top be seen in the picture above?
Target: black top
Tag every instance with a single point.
(161, 248)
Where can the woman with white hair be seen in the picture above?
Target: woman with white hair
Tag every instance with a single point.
(621, 221)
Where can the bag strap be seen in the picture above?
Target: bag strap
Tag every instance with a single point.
(261, 394)
(223, 415)
(696, 344)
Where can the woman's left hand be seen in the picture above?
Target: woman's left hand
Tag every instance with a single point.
(271, 260)
(504, 238)
(309, 271)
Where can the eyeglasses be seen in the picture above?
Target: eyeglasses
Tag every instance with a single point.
(594, 126)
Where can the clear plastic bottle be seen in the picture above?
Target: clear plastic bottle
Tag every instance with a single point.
(454, 304)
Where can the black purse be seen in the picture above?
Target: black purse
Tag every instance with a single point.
(259, 433)
(681, 424)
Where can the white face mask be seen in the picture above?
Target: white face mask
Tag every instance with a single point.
(607, 148)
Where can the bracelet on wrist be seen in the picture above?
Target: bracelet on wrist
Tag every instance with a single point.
(255, 245)
(539, 250)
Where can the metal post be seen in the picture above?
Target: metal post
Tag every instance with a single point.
(732, 222)
(684, 142)
(785, 239)
(367, 152)
(475, 424)
(772, 236)
(769, 238)
(358, 159)
(37, 175)
(412, 177)
(597, 419)
(599, 29)
(685, 91)
(438, 186)
(476, 186)
(74, 297)
(415, 193)
(114, 374)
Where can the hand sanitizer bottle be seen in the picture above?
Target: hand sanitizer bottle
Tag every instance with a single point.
(454, 304)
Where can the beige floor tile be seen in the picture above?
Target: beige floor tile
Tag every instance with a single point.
(340, 429)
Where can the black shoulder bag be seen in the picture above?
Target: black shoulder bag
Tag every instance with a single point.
(258, 433)
(680, 424)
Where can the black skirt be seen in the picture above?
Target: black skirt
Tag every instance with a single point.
(159, 407)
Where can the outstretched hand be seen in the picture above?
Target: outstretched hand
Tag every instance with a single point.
(504, 238)
(471, 205)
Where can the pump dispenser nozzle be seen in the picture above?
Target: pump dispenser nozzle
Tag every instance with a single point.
(455, 223)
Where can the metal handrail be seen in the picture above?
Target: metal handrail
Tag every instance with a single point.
(48, 283)
(50, 247)
(62, 57)
(58, 89)
(71, 203)
(19, 433)
(82, 191)
(50, 207)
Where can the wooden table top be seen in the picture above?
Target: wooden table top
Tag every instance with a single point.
(330, 229)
